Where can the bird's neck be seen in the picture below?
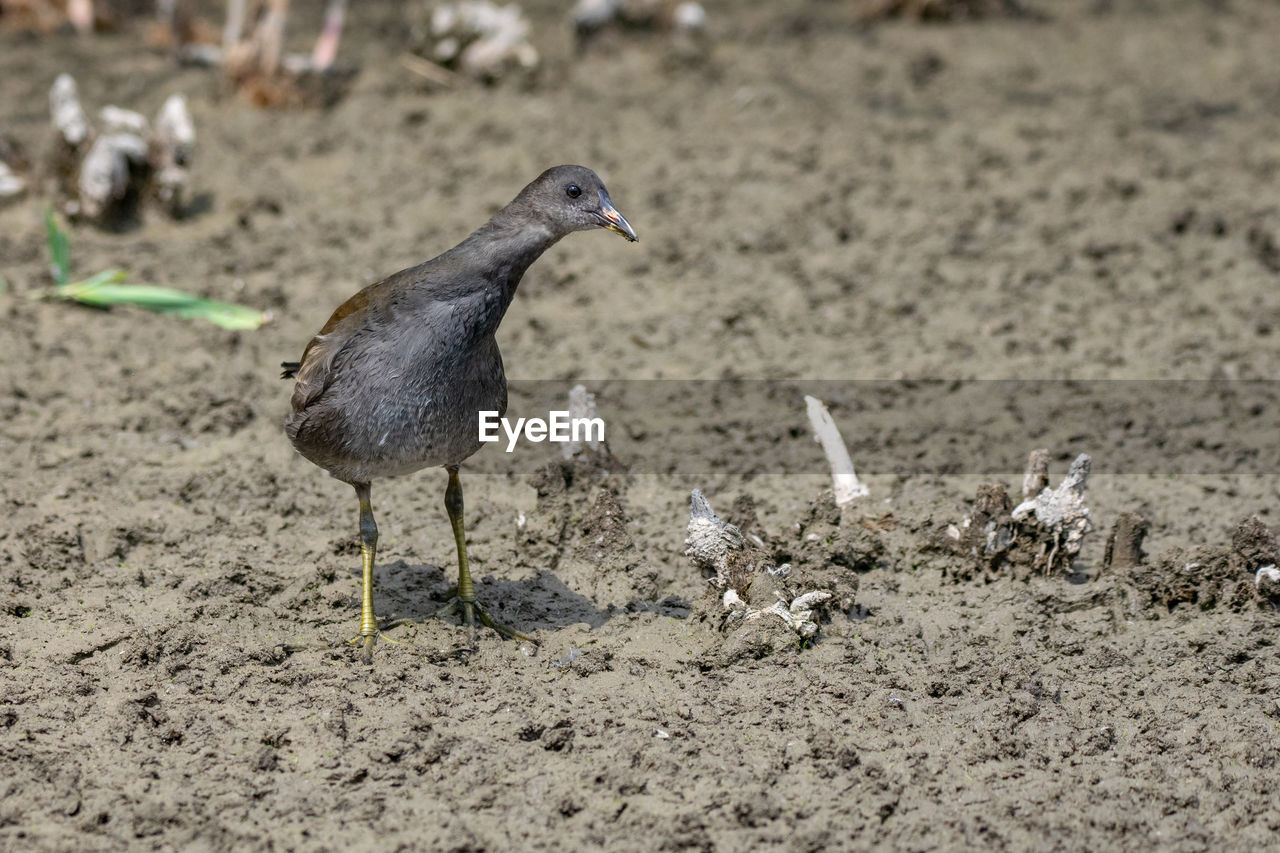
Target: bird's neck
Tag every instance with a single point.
(514, 246)
(505, 247)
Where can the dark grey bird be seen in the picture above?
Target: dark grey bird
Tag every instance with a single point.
(395, 380)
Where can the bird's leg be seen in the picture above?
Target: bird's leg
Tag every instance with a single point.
(368, 635)
(368, 550)
(466, 590)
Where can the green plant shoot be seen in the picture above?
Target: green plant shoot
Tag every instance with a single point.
(110, 287)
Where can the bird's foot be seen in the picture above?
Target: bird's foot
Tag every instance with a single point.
(366, 642)
(471, 613)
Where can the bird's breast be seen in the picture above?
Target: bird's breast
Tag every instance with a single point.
(425, 413)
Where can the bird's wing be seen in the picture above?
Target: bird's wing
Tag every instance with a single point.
(315, 373)
(371, 308)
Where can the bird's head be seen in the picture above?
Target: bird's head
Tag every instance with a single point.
(573, 198)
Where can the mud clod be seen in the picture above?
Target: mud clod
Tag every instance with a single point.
(1124, 543)
(764, 606)
(1210, 577)
(1253, 545)
(1042, 535)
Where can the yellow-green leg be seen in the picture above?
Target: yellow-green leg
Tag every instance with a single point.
(368, 550)
(466, 590)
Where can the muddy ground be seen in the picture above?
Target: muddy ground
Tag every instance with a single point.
(1087, 195)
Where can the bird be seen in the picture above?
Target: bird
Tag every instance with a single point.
(395, 380)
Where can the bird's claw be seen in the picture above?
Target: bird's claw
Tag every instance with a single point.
(367, 643)
(471, 611)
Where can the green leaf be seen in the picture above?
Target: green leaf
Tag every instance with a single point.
(107, 289)
(104, 277)
(225, 314)
(59, 248)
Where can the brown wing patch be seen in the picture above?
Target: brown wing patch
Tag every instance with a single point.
(315, 373)
(355, 305)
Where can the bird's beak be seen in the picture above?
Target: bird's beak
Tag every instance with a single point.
(613, 220)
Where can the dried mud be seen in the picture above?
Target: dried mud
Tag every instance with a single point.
(1087, 194)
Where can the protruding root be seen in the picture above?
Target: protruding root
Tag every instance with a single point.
(106, 173)
(1061, 515)
(481, 40)
(1036, 479)
(745, 584)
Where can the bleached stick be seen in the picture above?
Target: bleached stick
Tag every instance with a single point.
(845, 482)
(711, 540)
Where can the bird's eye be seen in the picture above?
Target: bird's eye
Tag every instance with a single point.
(573, 191)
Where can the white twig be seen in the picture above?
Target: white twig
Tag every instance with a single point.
(845, 482)
(68, 116)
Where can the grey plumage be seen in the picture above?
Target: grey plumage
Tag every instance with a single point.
(394, 380)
